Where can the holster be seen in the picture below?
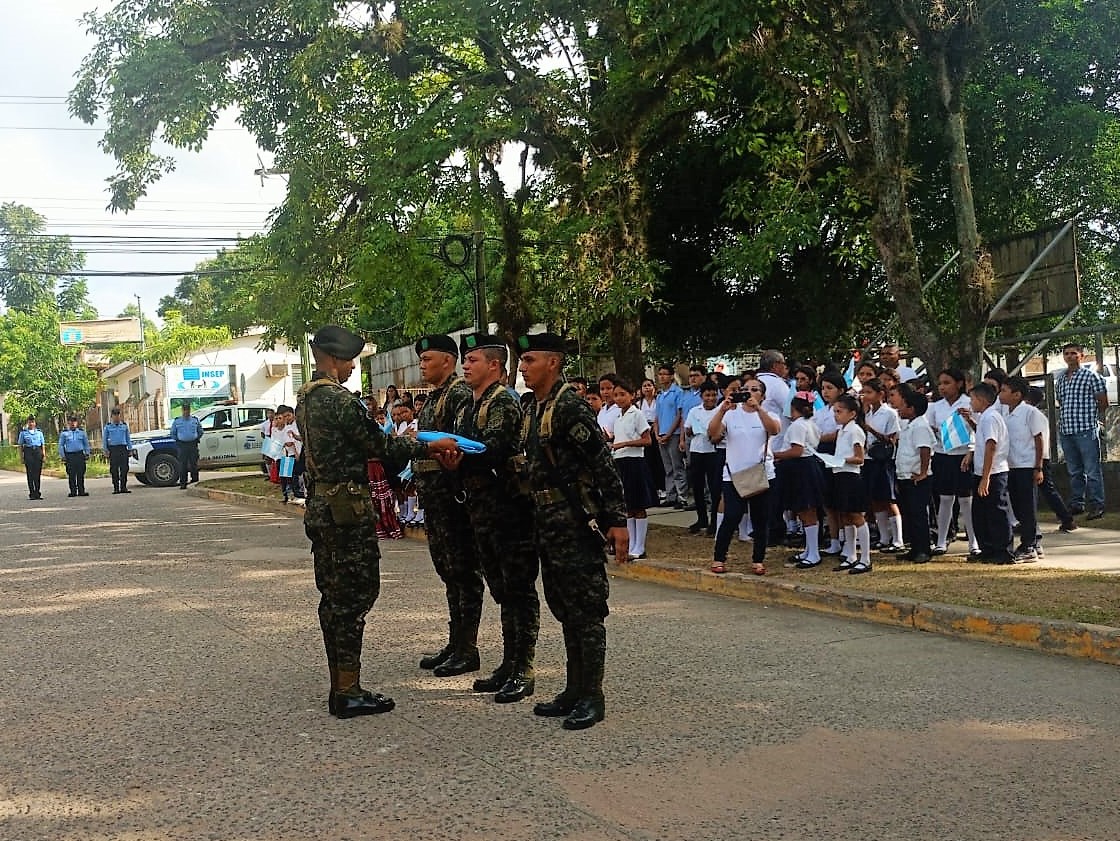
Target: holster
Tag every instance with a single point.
(349, 502)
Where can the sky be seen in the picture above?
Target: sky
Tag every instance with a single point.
(52, 163)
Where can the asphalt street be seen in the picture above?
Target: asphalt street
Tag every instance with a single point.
(163, 678)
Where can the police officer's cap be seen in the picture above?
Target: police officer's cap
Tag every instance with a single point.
(338, 342)
(477, 341)
(439, 342)
(549, 342)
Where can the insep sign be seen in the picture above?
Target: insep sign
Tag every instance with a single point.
(197, 382)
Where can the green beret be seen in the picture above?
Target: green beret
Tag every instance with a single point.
(475, 341)
(437, 342)
(338, 342)
(542, 341)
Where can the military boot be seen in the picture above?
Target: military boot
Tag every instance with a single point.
(351, 700)
(521, 681)
(590, 709)
(430, 661)
(465, 656)
(509, 653)
(565, 702)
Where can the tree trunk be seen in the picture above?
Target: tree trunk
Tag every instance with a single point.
(626, 342)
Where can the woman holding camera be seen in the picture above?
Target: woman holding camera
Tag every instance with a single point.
(746, 431)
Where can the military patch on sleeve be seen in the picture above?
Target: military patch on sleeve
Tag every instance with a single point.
(580, 434)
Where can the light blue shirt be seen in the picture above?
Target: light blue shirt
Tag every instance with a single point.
(32, 438)
(73, 441)
(668, 407)
(186, 430)
(689, 400)
(116, 434)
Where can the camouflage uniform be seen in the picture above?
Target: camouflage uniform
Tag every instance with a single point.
(571, 554)
(339, 438)
(499, 514)
(447, 524)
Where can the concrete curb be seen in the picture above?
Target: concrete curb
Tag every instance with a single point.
(1070, 639)
(1052, 636)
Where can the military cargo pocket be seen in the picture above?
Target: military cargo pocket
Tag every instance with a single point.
(349, 503)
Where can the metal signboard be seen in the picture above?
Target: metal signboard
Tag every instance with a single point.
(1052, 288)
(198, 382)
(102, 331)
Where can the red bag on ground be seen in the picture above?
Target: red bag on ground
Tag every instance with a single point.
(274, 472)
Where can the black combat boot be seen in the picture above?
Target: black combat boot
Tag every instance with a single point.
(590, 709)
(465, 656)
(509, 654)
(521, 681)
(350, 700)
(430, 661)
(565, 702)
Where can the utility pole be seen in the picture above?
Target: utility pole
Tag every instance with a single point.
(143, 363)
(480, 322)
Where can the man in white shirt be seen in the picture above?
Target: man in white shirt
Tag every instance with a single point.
(990, 506)
(890, 357)
(1025, 431)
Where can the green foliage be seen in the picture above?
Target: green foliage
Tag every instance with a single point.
(32, 262)
(40, 376)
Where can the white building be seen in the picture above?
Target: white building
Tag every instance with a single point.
(237, 372)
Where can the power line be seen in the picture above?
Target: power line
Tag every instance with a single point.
(198, 273)
(89, 128)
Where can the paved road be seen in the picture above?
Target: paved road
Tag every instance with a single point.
(163, 679)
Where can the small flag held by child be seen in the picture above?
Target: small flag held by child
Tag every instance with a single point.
(955, 432)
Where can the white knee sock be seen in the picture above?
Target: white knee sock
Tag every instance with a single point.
(641, 526)
(849, 543)
(896, 529)
(719, 519)
(745, 527)
(882, 521)
(812, 538)
(863, 543)
(944, 520)
(966, 515)
(834, 545)
(633, 530)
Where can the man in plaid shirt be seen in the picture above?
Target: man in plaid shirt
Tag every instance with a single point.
(1083, 400)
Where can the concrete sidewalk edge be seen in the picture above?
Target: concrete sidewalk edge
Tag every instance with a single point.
(1070, 639)
(1052, 636)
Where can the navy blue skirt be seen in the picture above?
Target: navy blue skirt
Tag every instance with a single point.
(637, 485)
(879, 479)
(849, 493)
(803, 483)
(948, 478)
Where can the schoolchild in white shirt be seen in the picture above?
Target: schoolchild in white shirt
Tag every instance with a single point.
(951, 485)
(850, 494)
(880, 422)
(803, 488)
(990, 506)
(631, 436)
(832, 386)
(1025, 428)
(912, 469)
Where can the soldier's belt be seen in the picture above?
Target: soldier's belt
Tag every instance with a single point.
(425, 465)
(549, 496)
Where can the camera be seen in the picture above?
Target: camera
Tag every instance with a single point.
(740, 396)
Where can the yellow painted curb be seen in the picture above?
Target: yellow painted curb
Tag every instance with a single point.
(1069, 639)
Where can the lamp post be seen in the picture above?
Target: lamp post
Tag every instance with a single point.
(143, 363)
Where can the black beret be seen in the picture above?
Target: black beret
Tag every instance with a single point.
(474, 341)
(437, 342)
(338, 342)
(542, 341)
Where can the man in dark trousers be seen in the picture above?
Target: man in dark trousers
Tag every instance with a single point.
(577, 507)
(117, 442)
(73, 449)
(187, 432)
(33, 451)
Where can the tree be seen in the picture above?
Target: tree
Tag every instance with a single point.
(32, 262)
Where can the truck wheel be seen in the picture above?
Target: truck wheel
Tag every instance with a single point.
(142, 478)
(162, 470)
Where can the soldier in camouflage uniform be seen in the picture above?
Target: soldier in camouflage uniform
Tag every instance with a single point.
(499, 513)
(450, 541)
(339, 437)
(577, 504)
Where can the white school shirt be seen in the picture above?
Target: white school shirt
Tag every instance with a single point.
(849, 435)
(607, 417)
(1023, 424)
(884, 419)
(629, 427)
(990, 427)
(825, 421)
(404, 426)
(697, 423)
(746, 441)
(804, 432)
(939, 411)
(913, 437)
(649, 410)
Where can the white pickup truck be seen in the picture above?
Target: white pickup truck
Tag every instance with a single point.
(231, 437)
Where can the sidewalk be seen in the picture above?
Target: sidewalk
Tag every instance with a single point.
(1087, 549)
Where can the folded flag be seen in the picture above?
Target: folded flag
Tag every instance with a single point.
(467, 445)
(955, 432)
(850, 372)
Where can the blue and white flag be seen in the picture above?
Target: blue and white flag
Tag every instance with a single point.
(955, 432)
(850, 372)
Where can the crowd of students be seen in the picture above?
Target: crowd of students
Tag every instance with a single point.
(886, 462)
